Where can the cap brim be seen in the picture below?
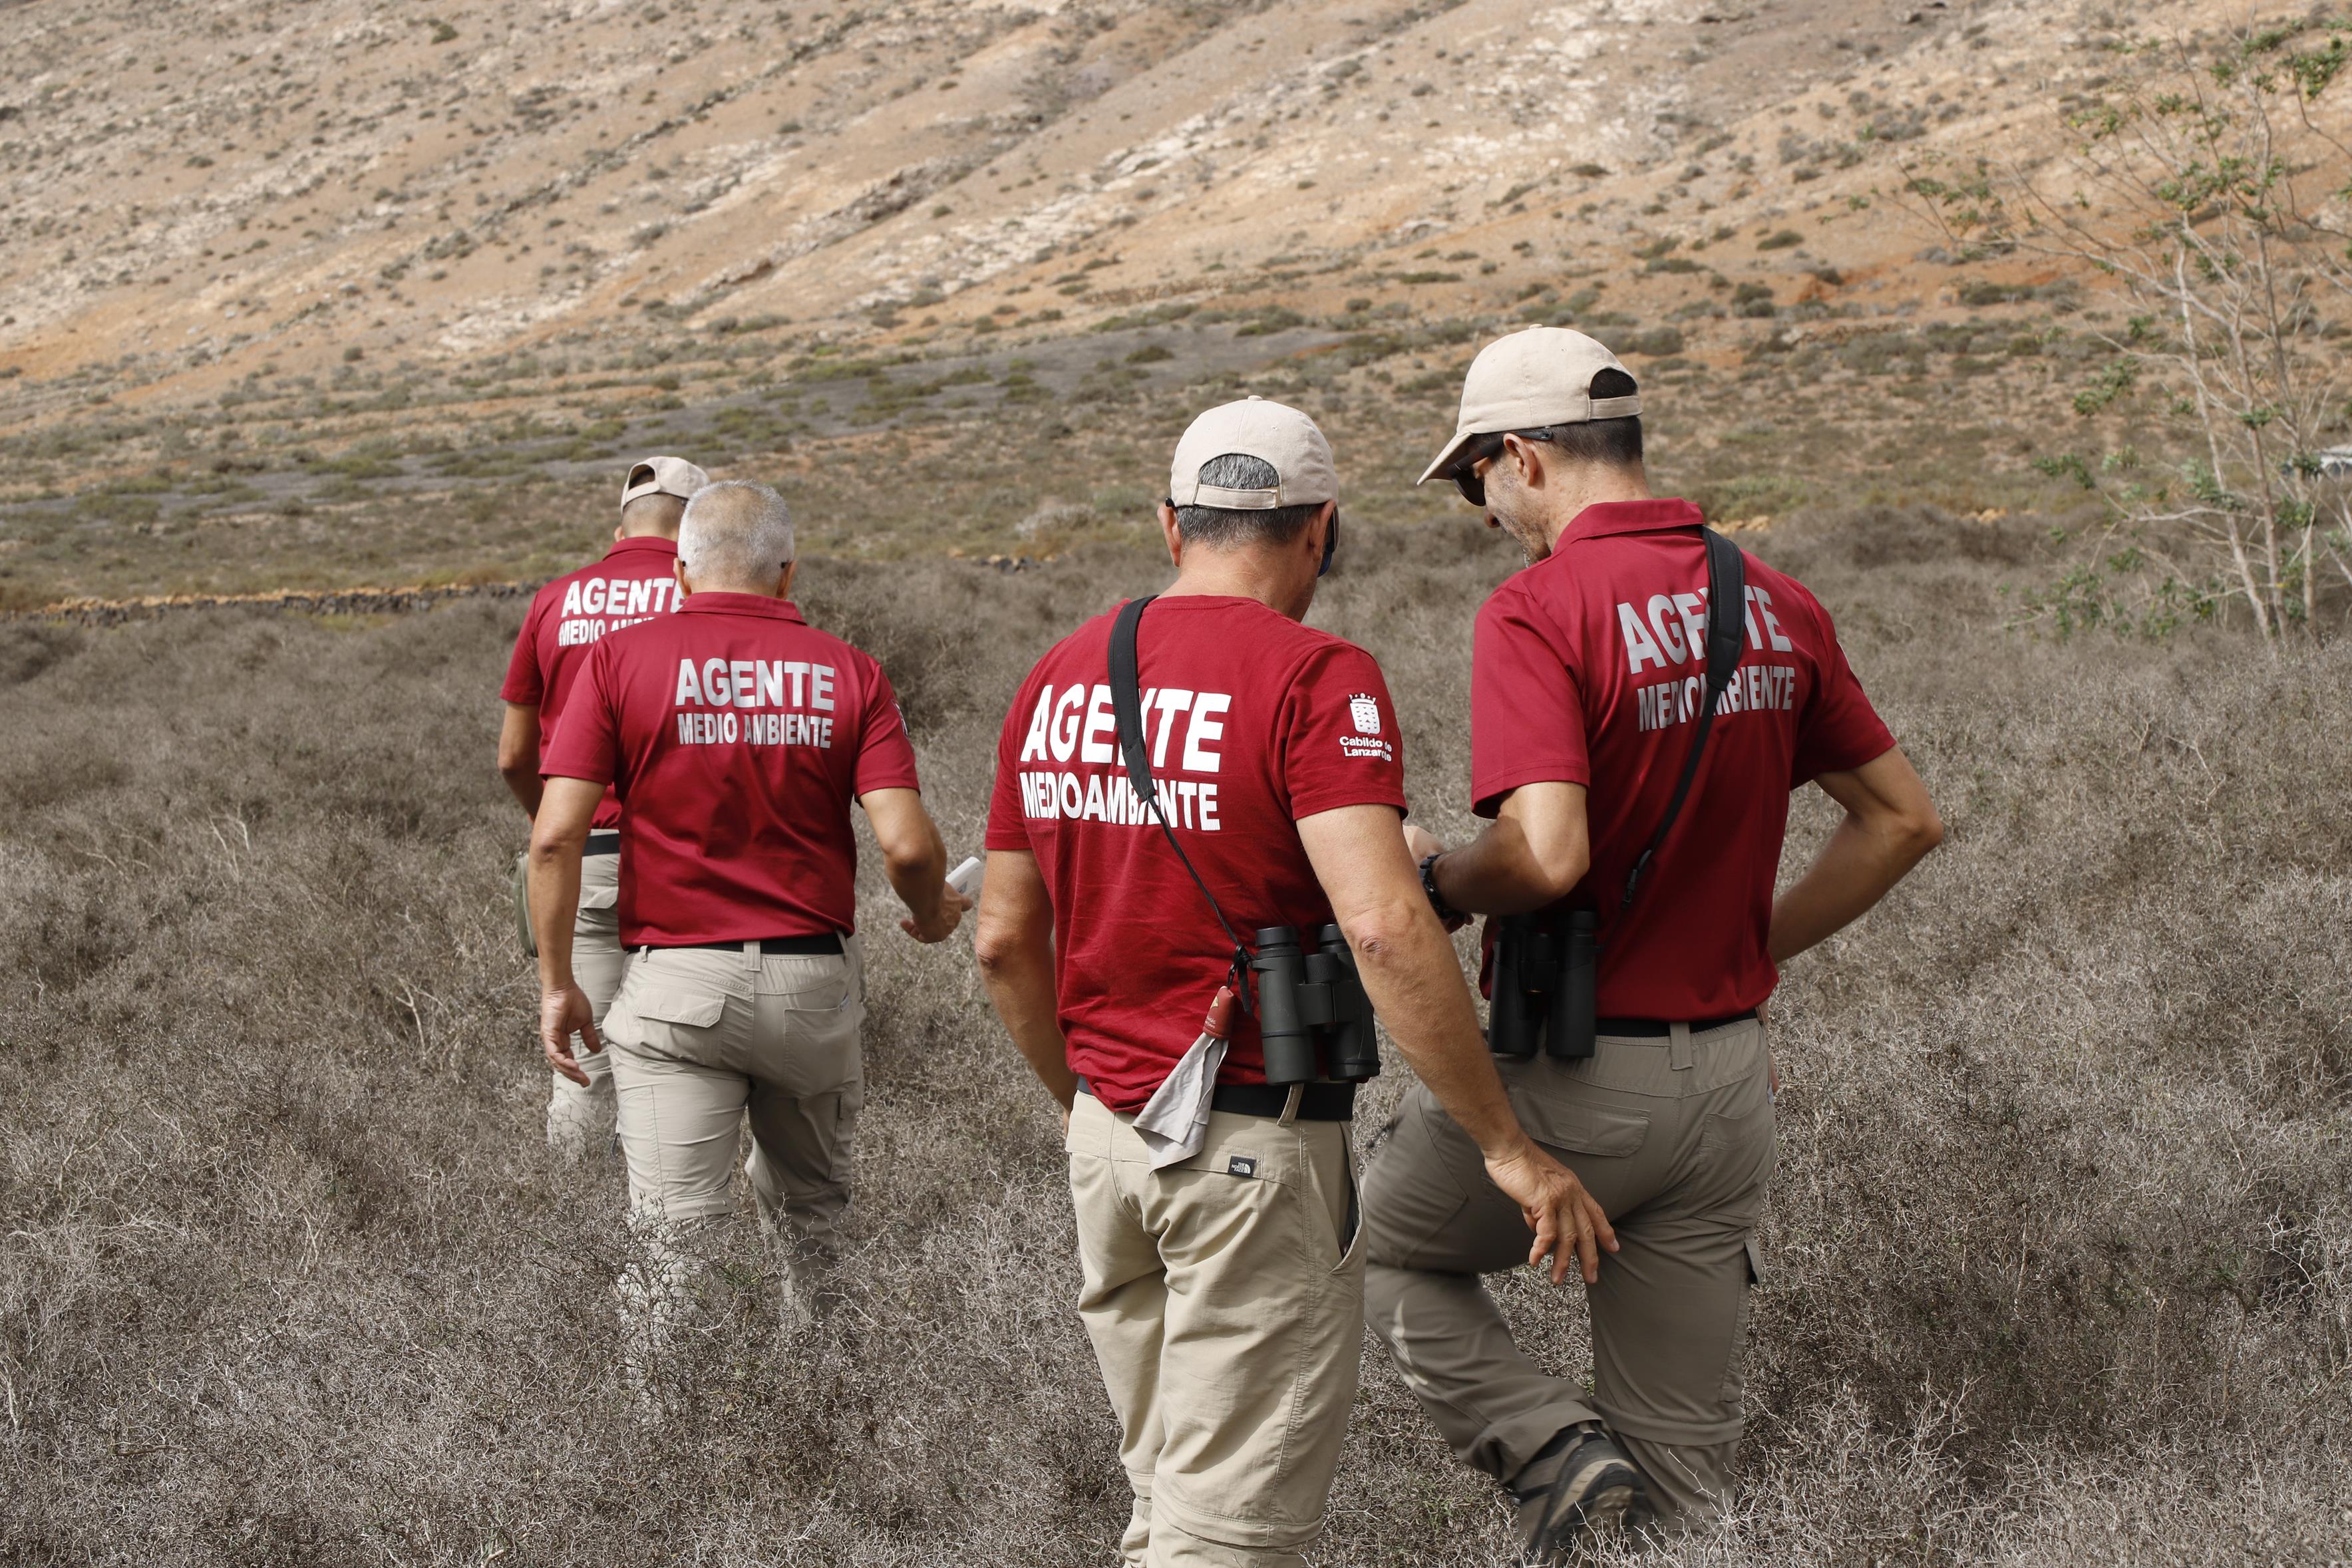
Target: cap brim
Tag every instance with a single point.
(1445, 456)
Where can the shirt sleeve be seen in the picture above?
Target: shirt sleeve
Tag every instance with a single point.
(1527, 707)
(1008, 819)
(526, 683)
(1838, 728)
(1339, 744)
(886, 754)
(587, 739)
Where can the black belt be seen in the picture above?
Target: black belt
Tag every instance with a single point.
(1317, 1101)
(1659, 1029)
(773, 946)
(607, 842)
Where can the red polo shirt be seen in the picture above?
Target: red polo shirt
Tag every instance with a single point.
(735, 735)
(1255, 722)
(1590, 669)
(566, 618)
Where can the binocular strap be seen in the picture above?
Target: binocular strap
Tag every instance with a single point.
(1126, 707)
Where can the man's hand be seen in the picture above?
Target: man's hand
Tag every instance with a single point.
(1569, 1225)
(916, 862)
(562, 1014)
(1889, 824)
(941, 927)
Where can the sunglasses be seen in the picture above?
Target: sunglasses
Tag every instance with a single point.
(1485, 449)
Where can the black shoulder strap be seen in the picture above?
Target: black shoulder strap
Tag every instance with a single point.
(1126, 707)
(1727, 636)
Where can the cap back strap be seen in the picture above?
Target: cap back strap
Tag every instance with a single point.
(1236, 500)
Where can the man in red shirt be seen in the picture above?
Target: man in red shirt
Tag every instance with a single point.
(735, 738)
(633, 580)
(1587, 686)
(1215, 1210)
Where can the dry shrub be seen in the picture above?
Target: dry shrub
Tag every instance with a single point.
(2060, 1246)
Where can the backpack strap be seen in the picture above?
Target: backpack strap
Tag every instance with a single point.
(1126, 707)
(1727, 622)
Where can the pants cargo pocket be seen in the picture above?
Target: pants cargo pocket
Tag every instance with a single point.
(1751, 1274)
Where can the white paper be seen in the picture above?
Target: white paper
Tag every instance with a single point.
(966, 878)
(1175, 1121)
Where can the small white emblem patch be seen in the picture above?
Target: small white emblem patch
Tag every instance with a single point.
(1366, 713)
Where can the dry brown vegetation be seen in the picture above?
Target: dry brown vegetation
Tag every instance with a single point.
(2061, 1247)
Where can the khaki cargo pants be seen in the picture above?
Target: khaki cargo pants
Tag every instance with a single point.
(1224, 1297)
(699, 1036)
(1674, 1138)
(579, 1118)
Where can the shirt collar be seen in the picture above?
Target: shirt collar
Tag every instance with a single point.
(711, 602)
(1604, 518)
(642, 544)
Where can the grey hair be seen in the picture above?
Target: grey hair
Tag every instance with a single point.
(1220, 527)
(735, 532)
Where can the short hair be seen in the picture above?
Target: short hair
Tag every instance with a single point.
(735, 532)
(656, 513)
(1604, 442)
(1224, 528)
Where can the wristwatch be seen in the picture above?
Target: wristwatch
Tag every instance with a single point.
(1448, 915)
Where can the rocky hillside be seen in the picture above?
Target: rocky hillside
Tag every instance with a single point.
(270, 263)
(192, 190)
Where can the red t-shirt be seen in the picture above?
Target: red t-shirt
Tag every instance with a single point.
(566, 618)
(1590, 669)
(736, 736)
(1255, 722)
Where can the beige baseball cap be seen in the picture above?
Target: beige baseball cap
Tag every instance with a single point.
(663, 476)
(1275, 433)
(1531, 378)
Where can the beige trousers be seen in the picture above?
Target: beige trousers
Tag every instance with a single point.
(579, 1118)
(1674, 1139)
(1225, 1298)
(701, 1036)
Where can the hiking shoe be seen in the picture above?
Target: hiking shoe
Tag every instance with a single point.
(1581, 1489)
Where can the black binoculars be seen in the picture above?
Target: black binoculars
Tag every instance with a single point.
(1312, 1003)
(1545, 965)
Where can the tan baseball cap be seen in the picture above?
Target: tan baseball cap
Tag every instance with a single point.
(1531, 378)
(1276, 434)
(663, 476)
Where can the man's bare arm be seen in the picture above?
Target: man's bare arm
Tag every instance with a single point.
(518, 754)
(1415, 983)
(1014, 945)
(916, 862)
(1889, 825)
(1530, 856)
(559, 833)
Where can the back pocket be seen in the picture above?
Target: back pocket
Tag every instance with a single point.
(1580, 1126)
(661, 1016)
